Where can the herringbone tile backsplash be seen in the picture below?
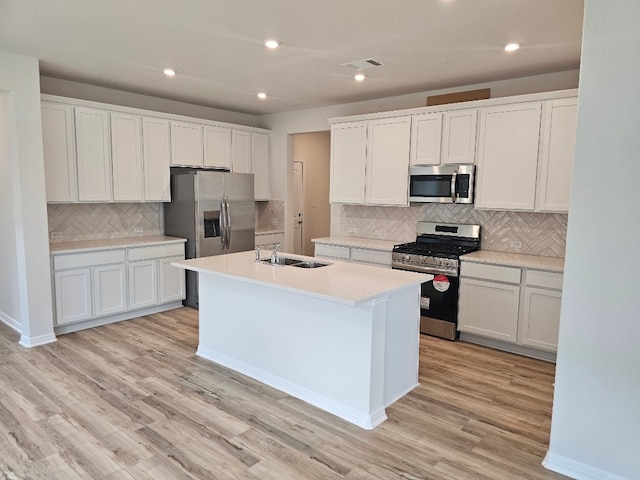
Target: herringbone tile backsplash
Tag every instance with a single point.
(93, 221)
(539, 233)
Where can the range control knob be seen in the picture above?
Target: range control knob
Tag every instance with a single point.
(406, 257)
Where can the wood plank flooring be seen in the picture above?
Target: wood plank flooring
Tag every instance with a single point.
(132, 401)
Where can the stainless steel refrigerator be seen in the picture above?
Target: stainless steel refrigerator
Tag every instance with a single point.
(214, 211)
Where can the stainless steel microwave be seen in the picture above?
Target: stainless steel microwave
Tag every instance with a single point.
(446, 184)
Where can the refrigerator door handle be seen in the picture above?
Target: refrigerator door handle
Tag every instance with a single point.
(223, 224)
(227, 221)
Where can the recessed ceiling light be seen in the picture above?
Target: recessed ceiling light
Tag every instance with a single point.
(262, 95)
(169, 72)
(511, 47)
(272, 44)
(359, 77)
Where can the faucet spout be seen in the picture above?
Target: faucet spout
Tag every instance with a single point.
(274, 253)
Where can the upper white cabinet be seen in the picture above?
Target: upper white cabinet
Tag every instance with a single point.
(126, 157)
(348, 159)
(241, 151)
(508, 156)
(217, 147)
(426, 139)
(93, 155)
(370, 161)
(459, 136)
(186, 144)
(556, 155)
(260, 165)
(156, 158)
(59, 152)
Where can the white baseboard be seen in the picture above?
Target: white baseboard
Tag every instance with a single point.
(10, 322)
(30, 342)
(577, 470)
(362, 419)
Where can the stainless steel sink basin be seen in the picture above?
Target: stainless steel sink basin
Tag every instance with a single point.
(294, 262)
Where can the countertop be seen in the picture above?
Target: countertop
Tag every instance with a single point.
(341, 282)
(551, 264)
(111, 243)
(370, 243)
(266, 231)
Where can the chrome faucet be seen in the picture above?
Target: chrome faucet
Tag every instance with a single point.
(258, 248)
(274, 253)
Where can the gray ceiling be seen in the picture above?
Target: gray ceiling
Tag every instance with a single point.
(217, 46)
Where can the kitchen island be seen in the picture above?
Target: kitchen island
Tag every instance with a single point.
(342, 337)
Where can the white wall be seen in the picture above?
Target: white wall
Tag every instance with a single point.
(19, 77)
(83, 91)
(595, 429)
(283, 125)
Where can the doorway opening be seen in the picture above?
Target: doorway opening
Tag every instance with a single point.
(311, 208)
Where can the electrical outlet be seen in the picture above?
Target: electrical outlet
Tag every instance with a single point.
(378, 233)
(56, 235)
(138, 230)
(353, 231)
(274, 222)
(517, 245)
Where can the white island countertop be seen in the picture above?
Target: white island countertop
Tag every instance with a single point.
(341, 282)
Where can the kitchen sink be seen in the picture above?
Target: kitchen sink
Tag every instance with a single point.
(295, 262)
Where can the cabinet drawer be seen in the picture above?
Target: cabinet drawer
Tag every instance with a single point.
(156, 251)
(490, 272)
(537, 278)
(77, 260)
(269, 239)
(371, 256)
(334, 251)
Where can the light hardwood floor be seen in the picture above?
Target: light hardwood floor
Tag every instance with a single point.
(131, 400)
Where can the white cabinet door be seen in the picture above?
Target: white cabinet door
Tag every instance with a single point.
(508, 157)
(143, 284)
(489, 309)
(109, 289)
(126, 157)
(73, 295)
(171, 281)
(217, 147)
(556, 159)
(241, 151)
(387, 166)
(260, 165)
(541, 318)
(94, 158)
(348, 159)
(186, 144)
(59, 153)
(156, 158)
(459, 136)
(426, 139)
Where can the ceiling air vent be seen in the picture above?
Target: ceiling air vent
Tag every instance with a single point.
(363, 64)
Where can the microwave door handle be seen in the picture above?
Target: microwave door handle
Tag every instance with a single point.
(453, 186)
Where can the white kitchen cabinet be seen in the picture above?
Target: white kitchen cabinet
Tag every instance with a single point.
(186, 144)
(109, 289)
(73, 295)
(540, 321)
(426, 139)
(489, 309)
(269, 240)
(348, 159)
(370, 162)
(508, 156)
(59, 153)
(459, 136)
(556, 156)
(126, 157)
(241, 151)
(387, 164)
(156, 159)
(260, 165)
(171, 280)
(143, 284)
(217, 147)
(369, 256)
(93, 155)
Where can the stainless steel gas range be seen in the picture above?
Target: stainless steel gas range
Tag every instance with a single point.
(436, 251)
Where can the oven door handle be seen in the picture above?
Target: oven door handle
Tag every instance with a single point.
(454, 176)
(427, 270)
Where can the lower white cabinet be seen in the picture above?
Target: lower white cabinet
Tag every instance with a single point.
(268, 240)
(541, 301)
(369, 256)
(103, 283)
